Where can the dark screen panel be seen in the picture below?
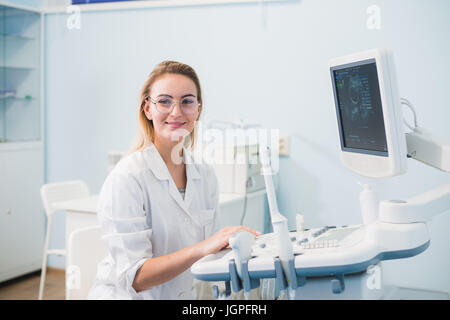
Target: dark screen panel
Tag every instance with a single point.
(359, 108)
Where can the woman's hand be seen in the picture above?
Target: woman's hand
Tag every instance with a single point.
(219, 240)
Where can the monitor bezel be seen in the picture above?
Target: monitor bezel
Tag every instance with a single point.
(369, 164)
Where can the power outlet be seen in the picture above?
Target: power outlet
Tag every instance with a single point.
(284, 146)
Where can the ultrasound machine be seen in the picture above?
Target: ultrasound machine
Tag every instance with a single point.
(343, 262)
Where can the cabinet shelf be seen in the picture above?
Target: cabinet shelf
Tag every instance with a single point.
(16, 68)
(15, 36)
(19, 144)
(17, 99)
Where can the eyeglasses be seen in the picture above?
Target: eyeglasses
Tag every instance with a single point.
(165, 105)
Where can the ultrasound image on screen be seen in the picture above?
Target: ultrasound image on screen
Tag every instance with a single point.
(359, 107)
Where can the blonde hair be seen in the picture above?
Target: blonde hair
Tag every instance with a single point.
(147, 131)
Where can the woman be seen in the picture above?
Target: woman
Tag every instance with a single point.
(157, 208)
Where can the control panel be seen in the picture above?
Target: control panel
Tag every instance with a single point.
(311, 241)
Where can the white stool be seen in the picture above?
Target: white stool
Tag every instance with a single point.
(51, 193)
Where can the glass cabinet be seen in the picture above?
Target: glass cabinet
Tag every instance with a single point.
(22, 219)
(20, 75)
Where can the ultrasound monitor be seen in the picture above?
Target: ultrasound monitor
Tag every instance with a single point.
(368, 113)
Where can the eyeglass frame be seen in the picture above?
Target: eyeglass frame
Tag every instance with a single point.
(148, 98)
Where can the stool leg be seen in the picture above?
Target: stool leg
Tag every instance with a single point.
(44, 260)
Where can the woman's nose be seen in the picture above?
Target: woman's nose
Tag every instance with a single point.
(176, 108)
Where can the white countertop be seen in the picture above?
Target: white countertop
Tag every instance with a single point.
(226, 198)
(89, 204)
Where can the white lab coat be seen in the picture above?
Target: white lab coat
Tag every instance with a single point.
(143, 215)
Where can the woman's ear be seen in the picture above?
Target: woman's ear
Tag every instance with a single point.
(147, 111)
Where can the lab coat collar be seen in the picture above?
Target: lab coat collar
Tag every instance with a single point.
(156, 163)
(159, 169)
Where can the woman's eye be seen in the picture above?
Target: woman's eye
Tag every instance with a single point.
(187, 101)
(165, 101)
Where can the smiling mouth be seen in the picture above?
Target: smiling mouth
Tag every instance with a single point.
(175, 124)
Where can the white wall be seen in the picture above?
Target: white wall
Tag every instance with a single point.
(271, 70)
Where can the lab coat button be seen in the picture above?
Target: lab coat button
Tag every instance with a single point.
(181, 295)
(187, 220)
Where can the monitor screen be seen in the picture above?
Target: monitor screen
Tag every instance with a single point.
(359, 108)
